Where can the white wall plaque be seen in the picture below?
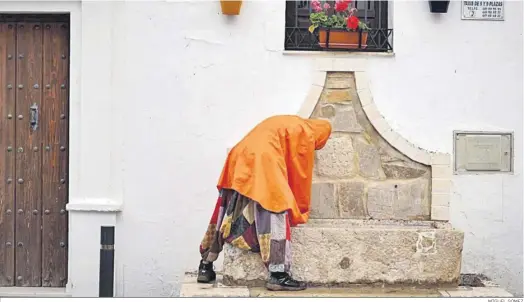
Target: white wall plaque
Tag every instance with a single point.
(483, 10)
(483, 152)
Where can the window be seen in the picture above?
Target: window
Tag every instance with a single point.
(379, 38)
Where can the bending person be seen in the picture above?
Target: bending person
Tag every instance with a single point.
(264, 189)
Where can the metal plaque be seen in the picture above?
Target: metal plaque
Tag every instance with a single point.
(483, 152)
(483, 10)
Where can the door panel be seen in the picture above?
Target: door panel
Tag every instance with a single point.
(7, 154)
(28, 155)
(54, 166)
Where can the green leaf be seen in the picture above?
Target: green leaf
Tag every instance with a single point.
(362, 25)
(312, 28)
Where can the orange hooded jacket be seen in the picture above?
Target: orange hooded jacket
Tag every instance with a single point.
(273, 164)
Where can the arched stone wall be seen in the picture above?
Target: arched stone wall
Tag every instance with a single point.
(368, 170)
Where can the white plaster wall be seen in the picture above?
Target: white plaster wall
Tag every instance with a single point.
(189, 82)
(182, 83)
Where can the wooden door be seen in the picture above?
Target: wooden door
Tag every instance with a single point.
(34, 106)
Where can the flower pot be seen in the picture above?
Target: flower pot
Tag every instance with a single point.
(438, 6)
(230, 7)
(341, 38)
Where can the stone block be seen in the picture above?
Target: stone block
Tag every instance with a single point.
(390, 155)
(440, 200)
(342, 118)
(399, 200)
(365, 96)
(441, 171)
(442, 186)
(323, 203)
(345, 120)
(353, 292)
(319, 78)
(411, 151)
(336, 96)
(329, 112)
(477, 292)
(343, 254)
(190, 288)
(336, 159)
(369, 165)
(338, 74)
(402, 170)
(385, 131)
(343, 81)
(372, 113)
(197, 290)
(243, 267)
(351, 199)
(440, 213)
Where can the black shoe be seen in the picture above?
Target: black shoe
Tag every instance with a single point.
(206, 274)
(284, 282)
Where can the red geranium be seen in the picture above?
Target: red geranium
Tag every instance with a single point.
(353, 22)
(342, 5)
(343, 17)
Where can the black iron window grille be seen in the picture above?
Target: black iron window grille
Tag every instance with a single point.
(379, 38)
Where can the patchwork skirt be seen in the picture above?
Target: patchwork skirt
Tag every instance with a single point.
(243, 223)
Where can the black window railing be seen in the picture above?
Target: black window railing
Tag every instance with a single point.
(378, 40)
(372, 12)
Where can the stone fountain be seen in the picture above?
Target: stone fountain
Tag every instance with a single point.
(380, 205)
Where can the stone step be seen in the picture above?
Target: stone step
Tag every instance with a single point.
(190, 288)
(342, 252)
(33, 292)
(375, 223)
